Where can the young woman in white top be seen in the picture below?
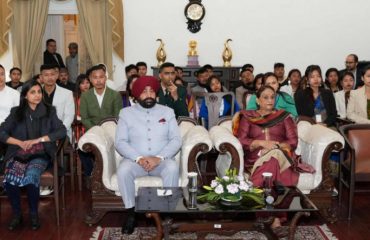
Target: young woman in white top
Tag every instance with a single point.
(341, 98)
(294, 78)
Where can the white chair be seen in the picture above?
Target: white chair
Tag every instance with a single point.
(315, 144)
(104, 186)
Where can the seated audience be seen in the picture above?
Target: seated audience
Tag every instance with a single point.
(257, 82)
(358, 109)
(269, 139)
(96, 104)
(294, 78)
(332, 80)
(353, 67)
(60, 98)
(63, 80)
(169, 94)
(131, 70)
(31, 131)
(15, 75)
(179, 72)
(130, 101)
(246, 78)
(180, 82)
(315, 101)
(209, 69)
(202, 78)
(341, 98)
(282, 101)
(38, 79)
(215, 86)
(279, 71)
(148, 138)
(141, 69)
(82, 85)
(248, 66)
(9, 99)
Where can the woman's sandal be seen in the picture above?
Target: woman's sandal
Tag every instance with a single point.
(281, 231)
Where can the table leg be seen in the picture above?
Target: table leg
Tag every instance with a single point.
(158, 224)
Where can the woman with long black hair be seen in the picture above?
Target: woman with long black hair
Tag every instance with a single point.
(315, 101)
(30, 131)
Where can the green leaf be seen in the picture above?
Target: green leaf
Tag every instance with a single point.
(208, 188)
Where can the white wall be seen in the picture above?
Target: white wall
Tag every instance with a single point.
(295, 32)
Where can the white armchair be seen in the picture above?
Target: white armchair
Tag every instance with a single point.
(104, 186)
(315, 144)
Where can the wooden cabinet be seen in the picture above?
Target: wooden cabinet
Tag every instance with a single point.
(229, 75)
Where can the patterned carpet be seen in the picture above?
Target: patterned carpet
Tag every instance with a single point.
(145, 233)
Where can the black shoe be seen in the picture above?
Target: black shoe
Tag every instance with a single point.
(130, 225)
(35, 222)
(15, 222)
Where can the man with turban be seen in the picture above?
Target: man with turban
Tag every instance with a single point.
(148, 138)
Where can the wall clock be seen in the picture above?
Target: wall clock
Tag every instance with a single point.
(194, 13)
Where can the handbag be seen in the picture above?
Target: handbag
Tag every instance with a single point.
(36, 151)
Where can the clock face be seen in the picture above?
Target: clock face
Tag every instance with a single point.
(195, 11)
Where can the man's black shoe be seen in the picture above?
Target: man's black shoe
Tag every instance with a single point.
(130, 225)
(15, 222)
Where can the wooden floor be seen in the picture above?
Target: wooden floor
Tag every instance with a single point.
(77, 203)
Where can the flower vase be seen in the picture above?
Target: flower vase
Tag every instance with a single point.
(231, 199)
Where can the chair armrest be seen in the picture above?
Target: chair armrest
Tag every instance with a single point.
(97, 141)
(316, 143)
(231, 150)
(195, 142)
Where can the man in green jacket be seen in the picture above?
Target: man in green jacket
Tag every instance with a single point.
(169, 94)
(100, 101)
(96, 104)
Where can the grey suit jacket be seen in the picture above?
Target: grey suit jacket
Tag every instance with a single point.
(147, 132)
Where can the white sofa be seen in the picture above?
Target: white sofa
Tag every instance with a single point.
(104, 187)
(315, 143)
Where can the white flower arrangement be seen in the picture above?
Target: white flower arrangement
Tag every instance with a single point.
(231, 187)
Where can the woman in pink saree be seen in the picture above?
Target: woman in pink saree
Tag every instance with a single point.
(269, 138)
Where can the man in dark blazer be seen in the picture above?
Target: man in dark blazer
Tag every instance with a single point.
(169, 94)
(51, 57)
(352, 66)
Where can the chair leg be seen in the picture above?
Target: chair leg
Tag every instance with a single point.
(63, 192)
(71, 169)
(79, 172)
(351, 194)
(340, 175)
(56, 200)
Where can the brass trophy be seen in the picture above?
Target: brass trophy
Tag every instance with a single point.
(192, 54)
(161, 54)
(193, 48)
(227, 55)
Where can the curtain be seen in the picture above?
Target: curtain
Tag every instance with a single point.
(96, 30)
(5, 20)
(116, 14)
(28, 26)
